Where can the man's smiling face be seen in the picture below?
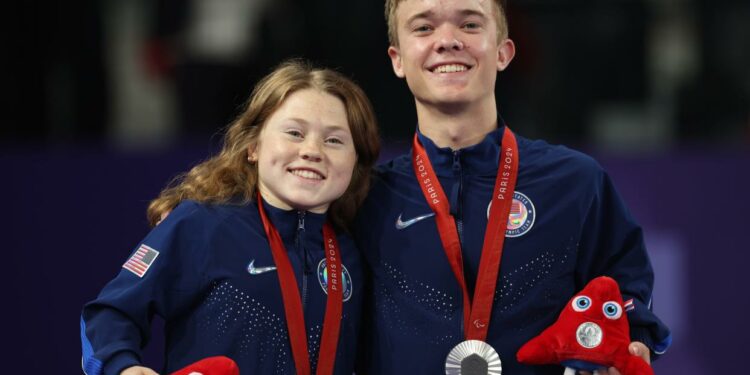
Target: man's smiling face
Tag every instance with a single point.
(448, 50)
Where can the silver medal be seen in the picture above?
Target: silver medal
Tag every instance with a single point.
(473, 357)
(589, 335)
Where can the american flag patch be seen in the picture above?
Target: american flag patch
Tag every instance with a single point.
(141, 260)
(629, 305)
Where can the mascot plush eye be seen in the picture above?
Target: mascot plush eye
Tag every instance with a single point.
(612, 310)
(581, 303)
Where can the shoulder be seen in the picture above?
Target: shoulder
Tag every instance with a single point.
(197, 213)
(394, 179)
(394, 171)
(196, 219)
(397, 166)
(193, 232)
(539, 156)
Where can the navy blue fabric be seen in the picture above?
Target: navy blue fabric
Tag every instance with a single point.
(581, 230)
(212, 305)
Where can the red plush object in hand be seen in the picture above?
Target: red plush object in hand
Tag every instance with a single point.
(219, 365)
(591, 332)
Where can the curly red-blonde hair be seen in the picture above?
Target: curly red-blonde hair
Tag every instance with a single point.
(229, 176)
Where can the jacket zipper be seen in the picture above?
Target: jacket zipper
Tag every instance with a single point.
(455, 207)
(456, 192)
(302, 249)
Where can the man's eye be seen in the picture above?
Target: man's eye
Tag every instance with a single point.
(423, 28)
(471, 25)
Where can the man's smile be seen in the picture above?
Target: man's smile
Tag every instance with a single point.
(449, 68)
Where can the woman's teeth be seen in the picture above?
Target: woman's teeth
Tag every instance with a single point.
(306, 174)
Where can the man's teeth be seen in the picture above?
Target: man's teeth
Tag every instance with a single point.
(306, 174)
(452, 68)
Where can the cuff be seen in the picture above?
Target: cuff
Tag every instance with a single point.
(643, 335)
(120, 362)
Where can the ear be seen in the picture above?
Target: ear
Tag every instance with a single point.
(395, 56)
(252, 153)
(505, 52)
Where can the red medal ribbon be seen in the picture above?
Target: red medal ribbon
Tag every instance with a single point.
(476, 314)
(295, 319)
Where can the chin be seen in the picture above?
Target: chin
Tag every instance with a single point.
(305, 205)
(446, 95)
(455, 100)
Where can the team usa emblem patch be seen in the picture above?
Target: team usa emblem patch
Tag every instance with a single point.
(141, 260)
(521, 217)
(323, 279)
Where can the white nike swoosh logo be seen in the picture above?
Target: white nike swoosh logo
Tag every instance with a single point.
(401, 224)
(258, 270)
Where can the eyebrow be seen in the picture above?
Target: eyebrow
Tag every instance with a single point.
(425, 14)
(430, 14)
(472, 12)
(330, 127)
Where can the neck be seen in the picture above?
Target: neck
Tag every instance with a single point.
(457, 126)
(275, 202)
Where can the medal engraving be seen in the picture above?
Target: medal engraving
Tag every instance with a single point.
(474, 365)
(473, 357)
(589, 335)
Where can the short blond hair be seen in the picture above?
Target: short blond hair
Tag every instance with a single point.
(390, 17)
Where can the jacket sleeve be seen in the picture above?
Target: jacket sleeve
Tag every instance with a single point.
(612, 244)
(162, 277)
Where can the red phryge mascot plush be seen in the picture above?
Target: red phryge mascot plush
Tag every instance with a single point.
(591, 332)
(219, 365)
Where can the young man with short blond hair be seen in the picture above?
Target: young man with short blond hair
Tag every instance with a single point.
(480, 234)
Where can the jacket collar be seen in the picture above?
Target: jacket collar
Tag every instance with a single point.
(479, 159)
(287, 222)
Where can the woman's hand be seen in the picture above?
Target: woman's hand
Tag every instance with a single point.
(138, 370)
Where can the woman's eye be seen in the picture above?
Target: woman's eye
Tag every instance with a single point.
(612, 310)
(581, 303)
(335, 141)
(294, 133)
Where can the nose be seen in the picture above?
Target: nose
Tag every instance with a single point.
(448, 41)
(310, 150)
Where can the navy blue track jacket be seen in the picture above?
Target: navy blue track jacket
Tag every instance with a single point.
(567, 226)
(213, 301)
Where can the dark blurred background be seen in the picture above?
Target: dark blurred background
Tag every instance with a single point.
(108, 100)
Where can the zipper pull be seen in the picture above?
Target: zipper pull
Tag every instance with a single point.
(300, 229)
(300, 241)
(457, 161)
(300, 221)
